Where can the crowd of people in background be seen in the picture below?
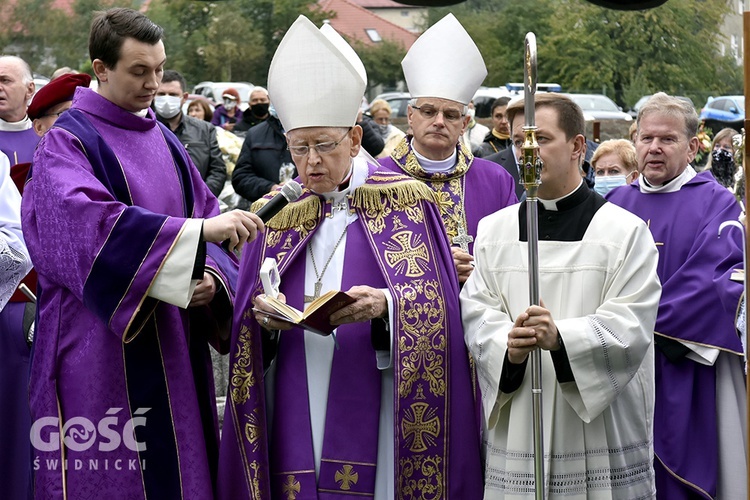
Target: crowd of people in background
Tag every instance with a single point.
(136, 208)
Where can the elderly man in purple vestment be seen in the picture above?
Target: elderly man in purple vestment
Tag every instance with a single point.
(132, 284)
(700, 392)
(17, 138)
(443, 70)
(386, 409)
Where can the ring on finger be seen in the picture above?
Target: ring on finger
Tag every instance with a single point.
(266, 320)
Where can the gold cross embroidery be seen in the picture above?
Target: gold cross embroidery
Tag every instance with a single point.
(346, 477)
(291, 487)
(403, 252)
(415, 425)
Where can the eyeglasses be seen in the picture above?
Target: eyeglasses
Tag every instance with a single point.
(322, 148)
(428, 112)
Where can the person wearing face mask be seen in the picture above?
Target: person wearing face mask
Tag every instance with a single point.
(381, 111)
(227, 115)
(721, 141)
(198, 136)
(257, 112)
(475, 132)
(614, 164)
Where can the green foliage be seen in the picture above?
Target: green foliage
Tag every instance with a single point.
(585, 48)
(383, 62)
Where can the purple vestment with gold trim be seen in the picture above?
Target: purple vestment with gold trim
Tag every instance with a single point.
(395, 243)
(693, 308)
(119, 376)
(474, 189)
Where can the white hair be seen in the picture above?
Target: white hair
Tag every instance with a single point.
(26, 74)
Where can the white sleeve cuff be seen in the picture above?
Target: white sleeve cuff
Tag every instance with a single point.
(384, 358)
(173, 283)
(701, 354)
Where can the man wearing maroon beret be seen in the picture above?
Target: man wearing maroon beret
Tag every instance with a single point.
(17, 317)
(53, 99)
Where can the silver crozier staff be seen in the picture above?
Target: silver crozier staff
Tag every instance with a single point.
(532, 171)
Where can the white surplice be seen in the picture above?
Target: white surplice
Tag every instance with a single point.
(603, 293)
(14, 257)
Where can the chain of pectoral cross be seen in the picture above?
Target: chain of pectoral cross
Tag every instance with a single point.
(319, 276)
(463, 238)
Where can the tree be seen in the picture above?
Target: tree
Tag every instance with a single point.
(382, 61)
(627, 54)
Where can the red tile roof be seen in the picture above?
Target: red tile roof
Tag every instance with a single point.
(383, 4)
(352, 20)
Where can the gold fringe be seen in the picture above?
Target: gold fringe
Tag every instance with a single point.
(293, 215)
(370, 196)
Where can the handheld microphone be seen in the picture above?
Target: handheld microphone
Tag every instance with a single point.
(289, 192)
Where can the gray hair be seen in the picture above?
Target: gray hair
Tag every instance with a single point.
(665, 104)
(258, 89)
(26, 74)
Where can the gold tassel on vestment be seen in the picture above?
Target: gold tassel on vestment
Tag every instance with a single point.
(293, 215)
(400, 194)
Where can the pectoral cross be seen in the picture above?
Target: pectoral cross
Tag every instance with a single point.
(316, 294)
(342, 205)
(462, 239)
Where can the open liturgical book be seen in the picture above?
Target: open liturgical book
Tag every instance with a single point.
(316, 316)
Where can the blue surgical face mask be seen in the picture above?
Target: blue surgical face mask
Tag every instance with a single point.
(605, 184)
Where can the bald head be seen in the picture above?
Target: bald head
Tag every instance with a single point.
(16, 88)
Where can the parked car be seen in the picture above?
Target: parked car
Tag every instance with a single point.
(39, 82)
(598, 107)
(398, 101)
(724, 111)
(634, 110)
(213, 91)
(484, 97)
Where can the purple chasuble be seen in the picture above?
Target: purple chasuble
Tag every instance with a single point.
(396, 242)
(685, 226)
(122, 374)
(18, 145)
(475, 189)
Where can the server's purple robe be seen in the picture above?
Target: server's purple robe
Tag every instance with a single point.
(693, 307)
(124, 376)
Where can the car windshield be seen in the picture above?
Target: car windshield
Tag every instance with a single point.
(740, 102)
(243, 89)
(595, 103)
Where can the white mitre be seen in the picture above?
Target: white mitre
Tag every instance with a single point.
(314, 81)
(444, 62)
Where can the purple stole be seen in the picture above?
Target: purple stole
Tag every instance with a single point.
(407, 253)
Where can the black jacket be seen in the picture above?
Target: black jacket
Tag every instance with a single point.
(505, 159)
(199, 138)
(261, 157)
(249, 120)
(372, 141)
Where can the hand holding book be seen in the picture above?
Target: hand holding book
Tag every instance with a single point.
(323, 315)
